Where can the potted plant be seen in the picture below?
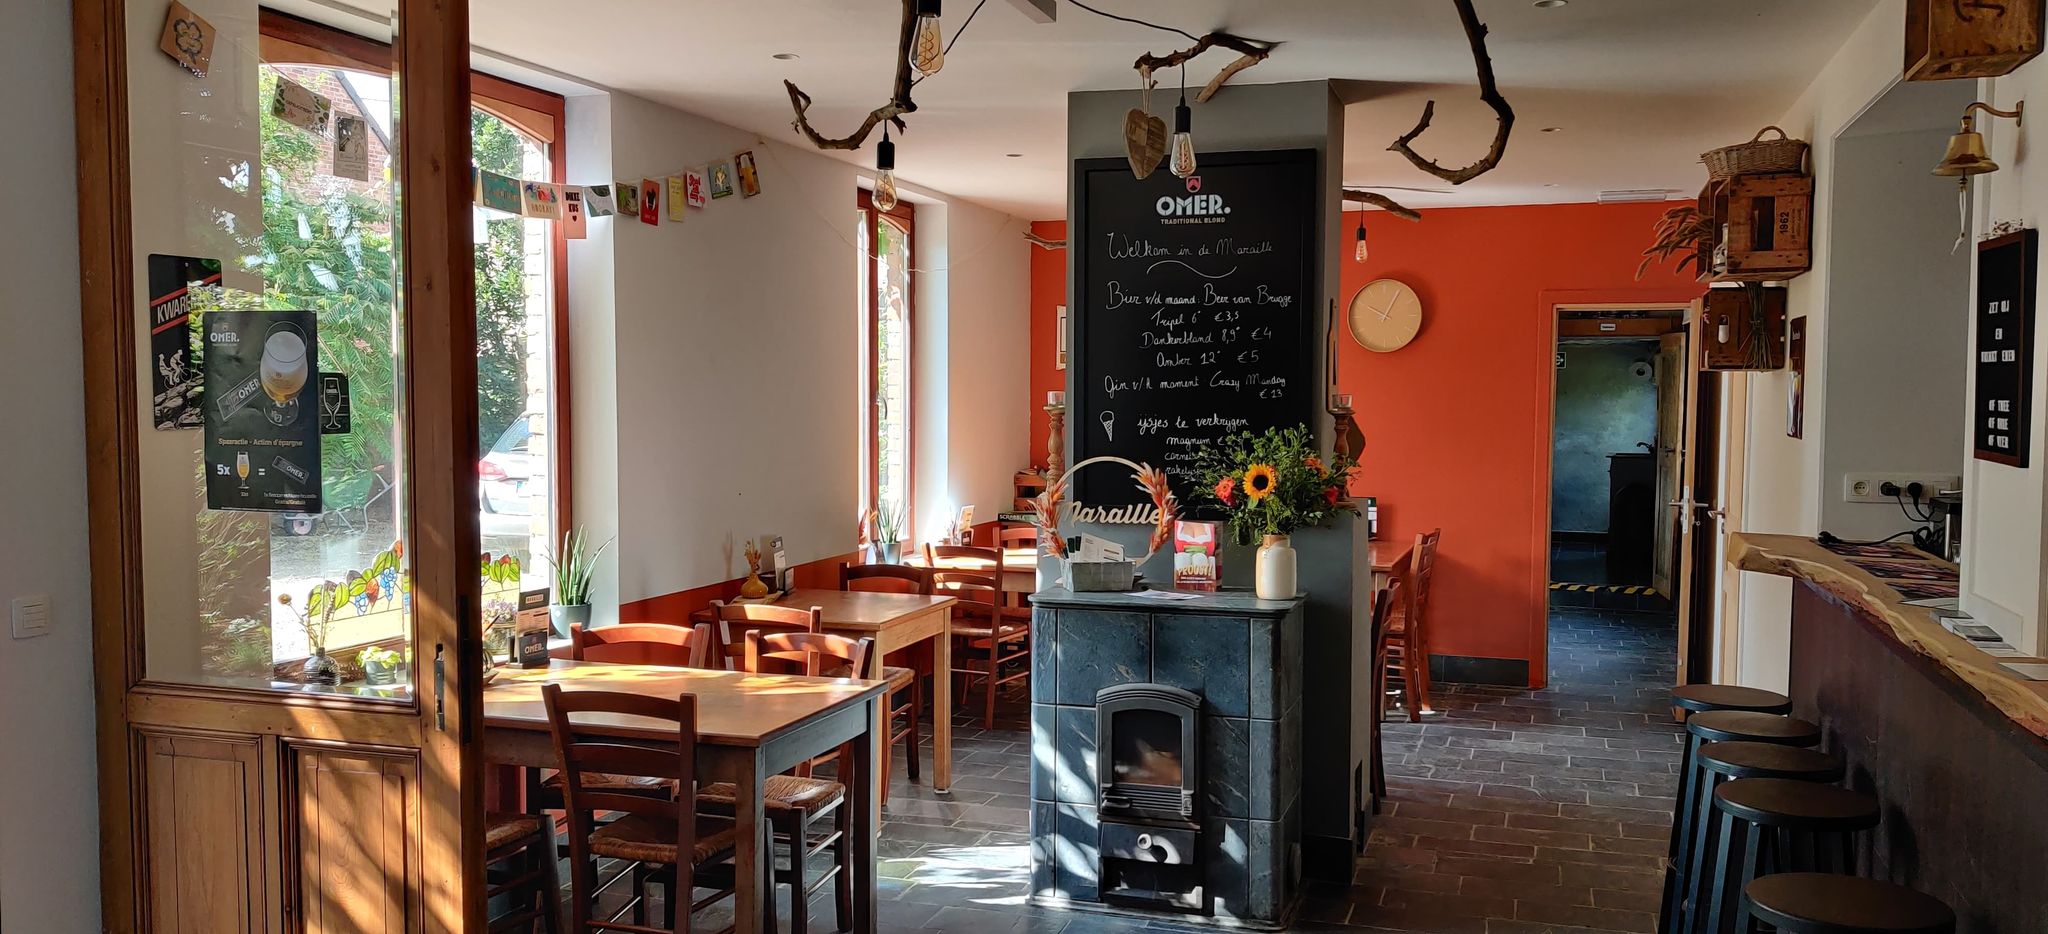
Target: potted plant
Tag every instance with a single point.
(381, 665)
(575, 564)
(889, 534)
(317, 619)
(1270, 485)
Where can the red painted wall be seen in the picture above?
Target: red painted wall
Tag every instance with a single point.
(1048, 292)
(1457, 424)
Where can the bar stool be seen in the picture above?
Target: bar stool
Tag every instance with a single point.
(1690, 810)
(1819, 903)
(1771, 825)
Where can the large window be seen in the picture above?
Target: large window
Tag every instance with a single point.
(887, 251)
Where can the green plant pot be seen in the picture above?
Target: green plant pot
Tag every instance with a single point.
(890, 552)
(378, 674)
(566, 616)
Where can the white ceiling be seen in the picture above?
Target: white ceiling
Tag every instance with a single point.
(1638, 88)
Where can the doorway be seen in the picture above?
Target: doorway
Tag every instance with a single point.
(1617, 417)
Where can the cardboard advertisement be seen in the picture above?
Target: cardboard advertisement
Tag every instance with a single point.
(262, 411)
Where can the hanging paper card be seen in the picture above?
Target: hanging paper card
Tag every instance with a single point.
(351, 147)
(693, 184)
(262, 411)
(187, 39)
(540, 201)
(650, 202)
(750, 177)
(597, 200)
(678, 196)
(627, 198)
(574, 223)
(721, 179)
(175, 377)
(500, 193)
(295, 104)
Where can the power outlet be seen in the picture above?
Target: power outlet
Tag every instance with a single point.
(31, 616)
(1868, 487)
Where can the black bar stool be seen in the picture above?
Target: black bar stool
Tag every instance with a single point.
(1819, 903)
(1690, 810)
(1771, 825)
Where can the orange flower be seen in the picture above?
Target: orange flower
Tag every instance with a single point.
(1315, 463)
(1260, 481)
(1226, 489)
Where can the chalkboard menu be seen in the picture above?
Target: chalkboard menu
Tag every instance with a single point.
(1196, 318)
(2002, 405)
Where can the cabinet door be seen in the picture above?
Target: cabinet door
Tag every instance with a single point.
(206, 833)
(356, 815)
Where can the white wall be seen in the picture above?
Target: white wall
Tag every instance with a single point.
(728, 355)
(49, 813)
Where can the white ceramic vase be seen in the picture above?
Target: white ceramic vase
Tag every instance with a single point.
(1276, 577)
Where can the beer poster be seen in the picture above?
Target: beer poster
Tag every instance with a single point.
(174, 371)
(262, 411)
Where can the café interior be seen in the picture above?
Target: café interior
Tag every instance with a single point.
(1479, 466)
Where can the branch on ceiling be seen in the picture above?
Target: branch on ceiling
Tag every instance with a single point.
(1250, 52)
(1043, 243)
(1384, 203)
(1475, 31)
(891, 112)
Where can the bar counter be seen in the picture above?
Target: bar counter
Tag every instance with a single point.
(1951, 744)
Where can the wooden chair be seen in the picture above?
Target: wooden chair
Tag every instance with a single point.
(794, 804)
(906, 683)
(1382, 605)
(1404, 642)
(735, 620)
(1017, 536)
(519, 860)
(667, 833)
(643, 644)
(990, 636)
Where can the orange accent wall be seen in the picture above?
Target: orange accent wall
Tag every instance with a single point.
(1048, 292)
(1457, 424)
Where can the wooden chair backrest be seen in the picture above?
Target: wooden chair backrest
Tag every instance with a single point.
(735, 620)
(884, 578)
(1016, 536)
(818, 654)
(643, 644)
(1422, 567)
(579, 752)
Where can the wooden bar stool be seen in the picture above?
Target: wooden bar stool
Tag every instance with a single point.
(1692, 808)
(1820, 903)
(1771, 825)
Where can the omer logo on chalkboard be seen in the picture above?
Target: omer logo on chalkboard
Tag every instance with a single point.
(1191, 206)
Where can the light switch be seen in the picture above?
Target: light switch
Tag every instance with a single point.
(32, 616)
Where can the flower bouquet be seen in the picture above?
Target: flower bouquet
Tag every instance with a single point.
(1270, 485)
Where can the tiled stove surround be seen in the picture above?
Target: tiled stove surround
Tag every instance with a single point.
(1243, 656)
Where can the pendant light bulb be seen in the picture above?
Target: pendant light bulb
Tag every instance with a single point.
(927, 42)
(1182, 162)
(1359, 252)
(885, 173)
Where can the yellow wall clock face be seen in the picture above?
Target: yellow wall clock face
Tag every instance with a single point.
(1385, 315)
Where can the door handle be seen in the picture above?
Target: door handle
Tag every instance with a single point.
(440, 688)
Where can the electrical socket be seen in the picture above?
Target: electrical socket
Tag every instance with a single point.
(1864, 487)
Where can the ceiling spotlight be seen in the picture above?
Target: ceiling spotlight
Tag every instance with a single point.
(1553, 129)
(785, 56)
(1550, 4)
(1013, 155)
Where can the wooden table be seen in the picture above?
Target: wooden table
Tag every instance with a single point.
(1020, 567)
(749, 727)
(896, 621)
(1389, 563)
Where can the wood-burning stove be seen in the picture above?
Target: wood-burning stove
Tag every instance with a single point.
(1148, 749)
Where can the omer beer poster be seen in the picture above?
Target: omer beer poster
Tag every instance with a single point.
(262, 414)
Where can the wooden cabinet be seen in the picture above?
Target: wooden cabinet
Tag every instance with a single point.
(1742, 328)
(207, 840)
(1970, 38)
(356, 826)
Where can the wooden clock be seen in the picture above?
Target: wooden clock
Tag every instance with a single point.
(1385, 315)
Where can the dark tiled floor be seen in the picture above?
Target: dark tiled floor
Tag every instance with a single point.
(1509, 812)
(1578, 562)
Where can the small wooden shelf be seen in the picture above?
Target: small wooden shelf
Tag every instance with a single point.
(1762, 228)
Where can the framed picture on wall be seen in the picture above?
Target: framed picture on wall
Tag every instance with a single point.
(1060, 355)
(1795, 394)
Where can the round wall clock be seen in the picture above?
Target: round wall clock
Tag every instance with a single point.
(1385, 315)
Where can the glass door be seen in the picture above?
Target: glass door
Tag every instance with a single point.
(281, 383)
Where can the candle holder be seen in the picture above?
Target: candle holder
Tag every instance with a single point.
(1349, 441)
(1055, 442)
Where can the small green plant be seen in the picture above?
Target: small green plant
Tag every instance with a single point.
(378, 655)
(575, 565)
(889, 525)
(317, 616)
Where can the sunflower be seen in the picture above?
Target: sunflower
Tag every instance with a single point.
(1259, 481)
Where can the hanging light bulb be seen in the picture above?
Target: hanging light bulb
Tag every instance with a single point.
(1183, 161)
(1358, 253)
(885, 172)
(927, 43)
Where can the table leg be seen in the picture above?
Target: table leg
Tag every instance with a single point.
(867, 810)
(942, 707)
(754, 896)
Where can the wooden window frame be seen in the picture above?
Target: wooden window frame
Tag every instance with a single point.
(905, 216)
(540, 115)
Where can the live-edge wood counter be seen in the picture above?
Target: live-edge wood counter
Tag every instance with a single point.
(1951, 744)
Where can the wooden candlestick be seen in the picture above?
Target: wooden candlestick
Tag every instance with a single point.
(1056, 443)
(1341, 445)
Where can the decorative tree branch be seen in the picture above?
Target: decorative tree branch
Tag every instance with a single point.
(1250, 52)
(893, 111)
(1384, 203)
(1488, 92)
(1043, 243)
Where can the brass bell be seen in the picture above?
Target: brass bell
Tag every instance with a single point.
(1966, 155)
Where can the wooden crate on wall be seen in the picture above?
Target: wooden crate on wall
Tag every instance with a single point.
(1763, 228)
(1742, 328)
(1970, 38)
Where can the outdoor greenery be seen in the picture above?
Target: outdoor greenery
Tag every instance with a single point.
(1275, 482)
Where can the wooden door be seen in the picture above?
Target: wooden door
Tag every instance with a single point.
(1698, 513)
(237, 793)
(1671, 396)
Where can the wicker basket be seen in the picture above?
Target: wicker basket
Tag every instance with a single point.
(1759, 156)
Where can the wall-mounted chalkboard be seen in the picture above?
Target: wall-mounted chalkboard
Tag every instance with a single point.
(2003, 401)
(1196, 303)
